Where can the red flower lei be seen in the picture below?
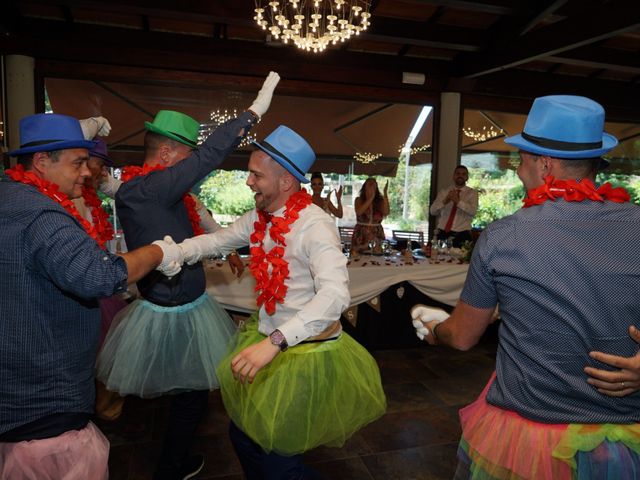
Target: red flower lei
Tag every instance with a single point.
(133, 171)
(572, 191)
(271, 285)
(99, 217)
(51, 190)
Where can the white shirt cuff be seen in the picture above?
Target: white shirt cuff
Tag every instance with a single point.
(294, 331)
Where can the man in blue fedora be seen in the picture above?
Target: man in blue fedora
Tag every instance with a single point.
(53, 273)
(292, 380)
(170, 341)
(564, 270)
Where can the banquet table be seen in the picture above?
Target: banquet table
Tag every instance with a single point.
(383, 289)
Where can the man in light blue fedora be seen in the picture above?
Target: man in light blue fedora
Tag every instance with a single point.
(170, 341)
(53, 273)
(292, 380)
(564, 270)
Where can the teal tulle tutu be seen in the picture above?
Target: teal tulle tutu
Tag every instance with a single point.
(310, 395)
(152, 350)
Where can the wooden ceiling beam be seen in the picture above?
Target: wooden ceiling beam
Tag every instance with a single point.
(615, 96)
(416, 33)
(602, 58)
(589, 26)
(247, 81)
(55, 40)
(236, 12)
(497, 8)
(545, 11)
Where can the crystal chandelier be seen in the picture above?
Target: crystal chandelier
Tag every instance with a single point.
(218, 117)
(313, 24)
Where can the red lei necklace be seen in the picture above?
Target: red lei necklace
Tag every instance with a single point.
(271, 284)
(99, 217)
(572, 191)
(51, 190)
(133, 171)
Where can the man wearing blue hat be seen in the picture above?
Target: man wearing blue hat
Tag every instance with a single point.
(292, 380)
(564, 270)
(53, 272)
(172, 339)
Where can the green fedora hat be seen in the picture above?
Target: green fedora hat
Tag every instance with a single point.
(176, 126)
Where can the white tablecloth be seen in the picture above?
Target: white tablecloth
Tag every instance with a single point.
(368, 277)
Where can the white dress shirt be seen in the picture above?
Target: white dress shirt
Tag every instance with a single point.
(318, 280)
(467, 208)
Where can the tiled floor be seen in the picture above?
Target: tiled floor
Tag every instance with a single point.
(416, 439)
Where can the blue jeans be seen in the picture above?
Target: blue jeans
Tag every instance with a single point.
(260, 465)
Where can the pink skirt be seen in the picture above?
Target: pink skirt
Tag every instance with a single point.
(74, 455)
(500, 444)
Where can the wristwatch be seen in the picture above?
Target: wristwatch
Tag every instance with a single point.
(277, 338)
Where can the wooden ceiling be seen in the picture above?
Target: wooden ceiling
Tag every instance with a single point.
(500, 54)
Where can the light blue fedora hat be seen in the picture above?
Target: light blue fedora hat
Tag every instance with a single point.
(290, 150)
(564, 126)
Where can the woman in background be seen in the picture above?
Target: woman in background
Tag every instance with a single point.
(371, 208)
(317, 184)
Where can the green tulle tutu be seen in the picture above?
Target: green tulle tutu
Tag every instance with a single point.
(310, 395)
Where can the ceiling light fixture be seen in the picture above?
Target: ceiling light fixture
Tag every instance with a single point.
(313, 25)
(366, 157)
(482, 135)
(414, 150)
(218, 117)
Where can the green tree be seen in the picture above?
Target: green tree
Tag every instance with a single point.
(226, 193)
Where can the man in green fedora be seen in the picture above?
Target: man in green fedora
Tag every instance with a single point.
(171, 340)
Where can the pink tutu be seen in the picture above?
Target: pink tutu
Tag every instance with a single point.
(74, 455)
(500, 444)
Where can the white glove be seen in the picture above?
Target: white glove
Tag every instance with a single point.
(95, 126)
(422, 314)
(172, 257)
(196, 248)
(261, 103)
(110, 185)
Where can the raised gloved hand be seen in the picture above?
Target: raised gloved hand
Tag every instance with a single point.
(261, 103)
(95, 126)
(421, 314)
(172, 256)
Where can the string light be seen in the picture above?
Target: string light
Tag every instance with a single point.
(218, 117)
(482, 135)
(366, 157)
(414, 150)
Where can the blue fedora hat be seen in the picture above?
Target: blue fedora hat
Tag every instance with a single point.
(290, 150)
(564, 126)
(45, 132)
